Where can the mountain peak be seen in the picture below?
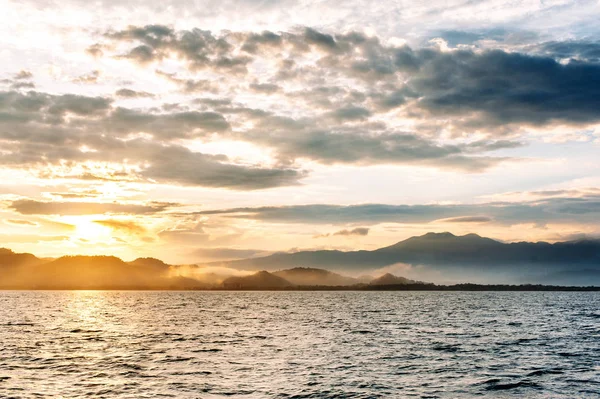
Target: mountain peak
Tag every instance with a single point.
(259, 280)
(390, 279)
(433, 235)
(151, 262)
(430, 241)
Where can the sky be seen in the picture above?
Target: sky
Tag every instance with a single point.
(198, 131)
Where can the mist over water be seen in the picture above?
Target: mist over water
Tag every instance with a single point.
(299, 344)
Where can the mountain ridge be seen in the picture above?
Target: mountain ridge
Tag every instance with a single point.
(445, 256)
(466, 256)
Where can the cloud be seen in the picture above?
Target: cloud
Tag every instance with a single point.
(334, 98)
(507, 88)
(199, 48)
(23, 75)
(266, 88)
(95, 50)
(586, 51)
(128, 93)
(89, 78)
(78, 195)
(21, 222)
(540, 211)
(359, 231)
(466, 219)
(186, 235)
(22, 85)
(222, 254)
(43, 129)
(351, 113)
(355, 147)
(179, 165)
(190, 86)
(31, 238)
(127, 226)
(32, 207)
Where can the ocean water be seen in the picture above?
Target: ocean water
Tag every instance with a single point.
(299, 344)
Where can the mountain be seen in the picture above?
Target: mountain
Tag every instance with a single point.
(151, 263)
(390, 279)
(11, 265)
(9, 258)
(442, 258)
(450, 258)
(260, 280)
(95, 272)
(311, 276)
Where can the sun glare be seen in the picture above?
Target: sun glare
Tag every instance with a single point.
(90, 230)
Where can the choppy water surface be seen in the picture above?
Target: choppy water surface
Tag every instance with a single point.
(299, 344)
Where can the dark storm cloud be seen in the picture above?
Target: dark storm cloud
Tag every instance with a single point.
(508, 88)
(503, 36)
(586, 51)
(487, 88)
(557, 210)
(32, 207)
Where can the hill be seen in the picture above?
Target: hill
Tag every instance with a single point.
(311, 276)
(454, 259)
(95, 272)
(390, 279)
(9, 258)
(151, 263)
(260, 280)
(442, 258)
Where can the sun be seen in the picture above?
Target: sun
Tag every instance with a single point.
(90, 230)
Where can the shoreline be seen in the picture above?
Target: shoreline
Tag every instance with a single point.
(408, 287)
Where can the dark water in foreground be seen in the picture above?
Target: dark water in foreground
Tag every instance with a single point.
(299, 344)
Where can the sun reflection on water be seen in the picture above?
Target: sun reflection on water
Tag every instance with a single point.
(88, 308)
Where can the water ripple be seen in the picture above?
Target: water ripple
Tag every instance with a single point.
(299, 344)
